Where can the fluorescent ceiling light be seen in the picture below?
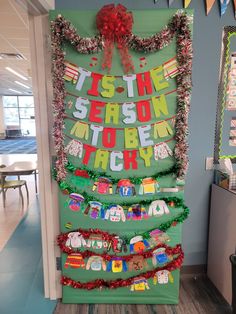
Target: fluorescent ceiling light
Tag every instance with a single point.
(21, 84)
(15, 91)
(16, 73)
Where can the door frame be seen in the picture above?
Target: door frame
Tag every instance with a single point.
(43, 93)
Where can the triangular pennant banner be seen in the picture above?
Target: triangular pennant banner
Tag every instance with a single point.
(171, 1)
(186, 3)
(223, 6)
(209, 5)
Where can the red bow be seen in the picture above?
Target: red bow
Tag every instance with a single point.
(115, 24)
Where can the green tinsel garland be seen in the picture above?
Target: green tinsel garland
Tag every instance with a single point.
(94, 175)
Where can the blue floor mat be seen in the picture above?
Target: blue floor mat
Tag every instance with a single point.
(21, 270)
(18, 146)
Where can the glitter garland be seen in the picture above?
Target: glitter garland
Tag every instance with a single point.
(176, 263)
(94, 175)
(62, 30)
(63, 237)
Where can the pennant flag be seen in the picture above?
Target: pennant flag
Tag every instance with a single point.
(186, 3)
(171, 1)
(223, 6)
(209, 5)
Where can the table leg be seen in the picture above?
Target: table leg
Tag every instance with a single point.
(35, 181)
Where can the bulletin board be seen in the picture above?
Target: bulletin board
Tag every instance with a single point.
(120, 133)
(225, 139)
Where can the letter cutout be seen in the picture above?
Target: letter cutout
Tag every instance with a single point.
(131, 138)
(130, 159)
(112, 113)
(95, 110)
(144, 110)
(83, 74)
(96, 77)
(158, 77)
(109, 138)
(129, 113)
(88, 151)
(129, 81)
(144, 135)
(160, 105)
(81, 106)
(109, 88)
(144, 83)
(113, 164)
(101, 159)
(146, 154)
(96, 130)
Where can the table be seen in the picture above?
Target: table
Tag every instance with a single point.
(21, 168)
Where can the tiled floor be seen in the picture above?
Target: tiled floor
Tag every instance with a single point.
(21, 145)
(21, 273)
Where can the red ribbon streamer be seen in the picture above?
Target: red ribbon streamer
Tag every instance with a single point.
(113, 284)
(115, 24)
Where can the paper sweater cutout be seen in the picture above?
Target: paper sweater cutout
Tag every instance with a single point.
(137, 263)
(125, 188)
(75, 201)
(118, 245)
(232, 134)
(96, 242)
(158, 208)
(96, 263)
(148, 186)
(139, 284)
(209, 5)
(163, 277)
(223, 6)
(74, 148)
(138, 244)
(170, 69)
(103, 186)
(71, 72)
(162, 151)
(231, 84)
(75, 240)
(157, 237)
(117, 265)
(80, 130)
(94, 208)
(162, 129)
(136, 212)
(74, 260)
(159, 257)
(115, 213)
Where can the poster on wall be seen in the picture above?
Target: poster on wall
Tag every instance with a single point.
(121, 105)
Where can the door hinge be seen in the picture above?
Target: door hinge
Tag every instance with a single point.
(58, 263)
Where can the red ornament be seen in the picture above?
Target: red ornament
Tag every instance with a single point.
(115, 25)
(171, 204)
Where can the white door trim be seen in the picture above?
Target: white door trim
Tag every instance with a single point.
(42, 90)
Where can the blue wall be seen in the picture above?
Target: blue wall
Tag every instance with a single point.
(207, 44)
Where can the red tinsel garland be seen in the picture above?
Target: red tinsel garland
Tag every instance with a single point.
(118, 283)
(86, 254)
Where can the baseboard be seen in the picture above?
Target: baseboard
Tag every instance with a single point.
(194, 269)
